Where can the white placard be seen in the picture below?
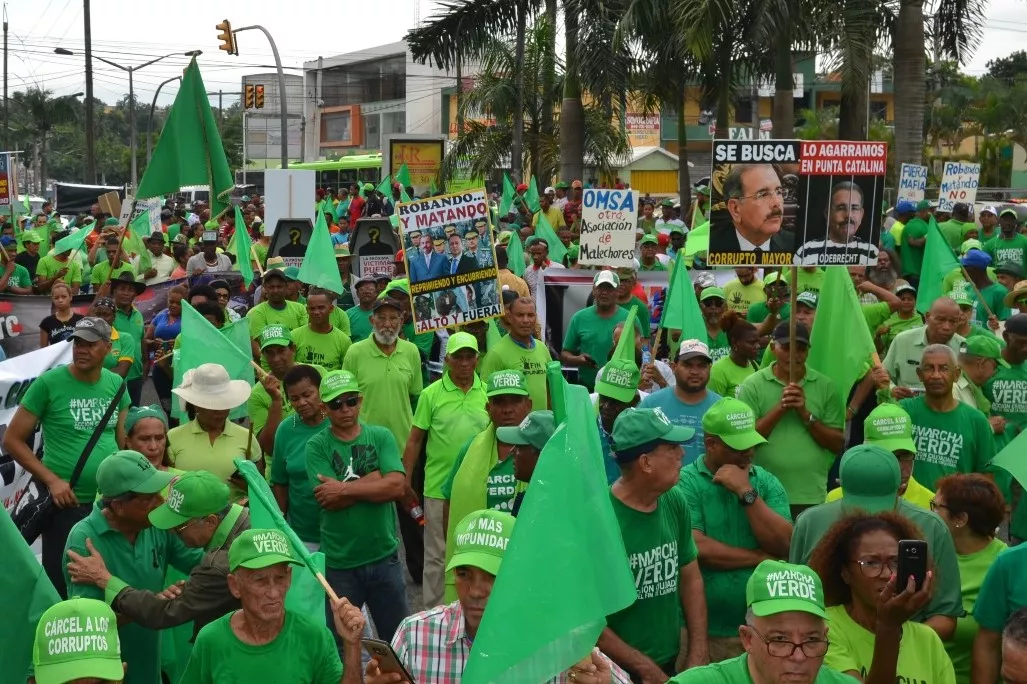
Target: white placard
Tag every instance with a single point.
(912, 183)
(958, 184)
(288, 194)
(609, 219)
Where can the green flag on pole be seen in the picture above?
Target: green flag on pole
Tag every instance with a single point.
(515, 254)
(133, 243)
(385, 187)
(841, 346)
(240, 245)
(189, 150)
(565, 568)
(531, 196)
(938, 263)
(698, 241)
(680, 307)
(73, 241)
(509, 195)
(543, 230)
(319, 267)
(403, 176)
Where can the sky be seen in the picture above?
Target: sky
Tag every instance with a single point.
(126, 33)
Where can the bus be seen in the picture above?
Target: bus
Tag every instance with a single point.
(345, 171)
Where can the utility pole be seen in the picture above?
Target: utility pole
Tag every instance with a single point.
(90, 134)
(283, 107)
(7, 126)
(221, 112)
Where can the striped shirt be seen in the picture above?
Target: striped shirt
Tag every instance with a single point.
(831, 253)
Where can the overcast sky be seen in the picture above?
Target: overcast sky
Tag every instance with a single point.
(125, 33)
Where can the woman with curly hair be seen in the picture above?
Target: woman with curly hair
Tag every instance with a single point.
(869, 610)
(728, 372)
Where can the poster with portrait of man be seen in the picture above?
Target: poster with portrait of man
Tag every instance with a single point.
(451, 260)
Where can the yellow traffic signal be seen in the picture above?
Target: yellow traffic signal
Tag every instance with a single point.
(226, 37)
(249, 96)
(259, 97)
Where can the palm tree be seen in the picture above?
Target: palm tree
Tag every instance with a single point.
(36, 113)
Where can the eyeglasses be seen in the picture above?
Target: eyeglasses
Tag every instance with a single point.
(875, 568)
(935, 505)
(764, 195)
(339, 402)
(182, 528)
(780, 648)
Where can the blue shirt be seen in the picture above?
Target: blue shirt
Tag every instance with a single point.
(162, 330)
(687, 415)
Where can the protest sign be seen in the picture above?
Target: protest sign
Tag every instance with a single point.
(959, 183)
(5, 180)
(450, 258)
(912, 183)
(609, 219)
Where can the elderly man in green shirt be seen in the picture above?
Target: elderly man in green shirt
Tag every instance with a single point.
(119, 529)
(903, 358)
(450, 412)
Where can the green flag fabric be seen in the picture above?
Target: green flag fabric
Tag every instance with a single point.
(543, 230)
(203, 343)
(565, 567)
(938, 263)
(531, 196)
(403, 176)
(492, 335)
(680, 307)
(515, 254)
(698, 241)
(240, 246)
(319, 267)
(73, 241)
(385, 187)
(305, 595)
(841, 345)
(27, 593)
(509, 194)
(189, 150)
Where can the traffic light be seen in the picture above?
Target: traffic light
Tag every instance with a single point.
(249, 96)
(226, 37)
(259, 97)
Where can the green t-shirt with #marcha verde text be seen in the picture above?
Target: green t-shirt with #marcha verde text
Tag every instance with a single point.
(659, 543)
(20, 277)
(322, 349)
(366, 531)
(508, 354)
(972, 569)
(501, 485)
(304, 652)
(958, 441)
(289, 469)
(726, 376)
(68, 410)
(1007, 392)
(719, 346)
(736, 671)
(1013, 250)
(592, 334)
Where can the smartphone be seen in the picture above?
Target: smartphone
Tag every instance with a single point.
(912, 561)
(388, 661)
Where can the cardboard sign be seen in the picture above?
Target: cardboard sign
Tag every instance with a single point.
(110, 203)
(958, 184)
(912, 183)
(609, 219)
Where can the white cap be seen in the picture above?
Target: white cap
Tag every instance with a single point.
(991, 208)
(689, 349)
(549, 191)
(606, 278)
(705, 279)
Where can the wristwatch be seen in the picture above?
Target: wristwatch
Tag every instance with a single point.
(749, 498)
(812, 419)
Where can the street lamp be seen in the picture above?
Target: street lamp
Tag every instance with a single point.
(131, 96)
(149, 123)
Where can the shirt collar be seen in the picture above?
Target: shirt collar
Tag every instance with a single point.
(453, 624)
(99, 520)
(450, 386)
(223, 530)
(747, 246)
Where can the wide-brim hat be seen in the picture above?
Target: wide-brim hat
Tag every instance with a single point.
(123, 278)
(209, 386)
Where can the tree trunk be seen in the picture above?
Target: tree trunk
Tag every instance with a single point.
(784, 85)
(852, 115)
(572, 114)
(726, 88)
(549, 77)
(684, 180)
(909, 65)
(517, 144)
(459, 96)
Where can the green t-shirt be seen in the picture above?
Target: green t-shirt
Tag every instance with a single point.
(959, 441)
(451, 417)
(806, 281)
(642, 314)
(726, 376)
(322, 349)
(366, 531)
(741, 298)
(501, 485)
(20, 277)
(592, 334)
(717, 513)
(387, 383)
(994, 295)
(791, 453)
(912, 257)
(736, 671)
(657, 266)
(759, 312)
(922, 656)
(338, 318)
(508, 354)
(304, 652)
(101, 272)
(953, 232)
(659, 543)
(289, 468)
(972, 569)
(359, 323)
(719, 346)
(68, 410)
(1007, 392)
(1003, 591)
(123, 348)
(48, 267)
(897, 325)
(1012, 250)
(132, 324)
(292, 315)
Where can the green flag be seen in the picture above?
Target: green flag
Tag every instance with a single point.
(698, 241)
(509, 195)
(565, 568)
(73, 241)
(305, 595)
(403, 176)
(26, 593)
(543, 230)
(531, 196)
(840, 343)
(938, 263)
(189, 150)
(680, 307)
(385, 187)
(133, 243)
(515, 254)
(431, 187)
(241, 243)
(492, 335)
(203, 343)
(319, 267)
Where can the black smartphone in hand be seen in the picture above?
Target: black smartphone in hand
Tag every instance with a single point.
(912, 561)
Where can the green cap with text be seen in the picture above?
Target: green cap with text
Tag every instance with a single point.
(275, 335)
(618, 380)
(76, 640)
(129, 471)
(778, 587)
(481, 539)
(734, 422)
(192, 495)
(985, 347)
(636, 427)
(336, 383)
(507, 382)
(889, 426)
(256, 549)
(535, 430)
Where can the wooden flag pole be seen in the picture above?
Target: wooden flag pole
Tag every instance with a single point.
(791, 324)
(980, 298)
(253, 253)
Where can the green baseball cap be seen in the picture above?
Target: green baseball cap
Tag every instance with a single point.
(923, 204)
(986, 347)
(734, 422)
(649, 239)
(507, 382)
(773, 278)
(618, 380)
(535, 430)
(870, 479)
(972, 243)
(275, 335)
(291, 273)
(31, 236)
(256, 549)
(129, 471)
(1010, 268)
(336, 383)
(461, 340)
(606, 278)
(889, 427)
(961, 297)
(636, 427)
(1011, 212)
(481, 539)
(711, 292)
(777, 587)
(77, 639)
(368, 186)
(401, 284)
(808, 298)
(195, 494)
(675, 228)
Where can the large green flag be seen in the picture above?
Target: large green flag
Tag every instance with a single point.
(319, 267)
(509, 195)
(515, 253)
(385, 187)
(698, 241)
(531, 196)
(305, 595)
(841, 345)
(189, 150)
(26, 593)
(73, 241)
(202, 343)
(680, 307)
(938, 263)
(403, 176)
(565, 568)
(240, 246)
(545, 231)
(133, 244)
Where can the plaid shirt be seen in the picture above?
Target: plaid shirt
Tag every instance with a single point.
(433, 646)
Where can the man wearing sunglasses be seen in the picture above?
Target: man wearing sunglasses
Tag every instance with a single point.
(356, 473)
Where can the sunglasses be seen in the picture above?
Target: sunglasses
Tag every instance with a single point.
(339, 402)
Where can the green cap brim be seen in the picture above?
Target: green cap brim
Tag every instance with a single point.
(893, 445)
(776, 606)
(338, 393)
(484, 561)
(280, 341)
(163, 518)
(507, 390)
(266, 561)
(622, 394)
(511, 435)
(155, 483)
(744, 441)
(105, 668)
